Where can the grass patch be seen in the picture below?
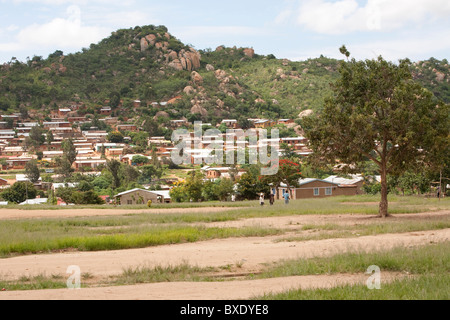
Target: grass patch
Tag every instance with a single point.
(429, 264)
(40, 282)
(183, 272)
(151, 236)
(424, 287)
(333, 231)
(430, 259)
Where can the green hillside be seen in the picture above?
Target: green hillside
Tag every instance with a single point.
(149, 64)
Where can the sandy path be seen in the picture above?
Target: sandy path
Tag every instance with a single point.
(248, 252)
(229, 290)
(11, 214)
(296, 222)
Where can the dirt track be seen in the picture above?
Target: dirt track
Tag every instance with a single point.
(6, 214)
(247, 253)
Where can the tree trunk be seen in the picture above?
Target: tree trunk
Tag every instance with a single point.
(384, 193)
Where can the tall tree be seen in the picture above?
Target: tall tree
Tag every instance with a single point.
(378, 112)
(114, 167)
(70, 151)
(32, 171)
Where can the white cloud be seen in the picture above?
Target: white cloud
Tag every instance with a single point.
(415, 47)
(345, 16)
(62, 32)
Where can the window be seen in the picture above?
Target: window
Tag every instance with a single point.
(129, 201)
(329, 191)
(316, 192)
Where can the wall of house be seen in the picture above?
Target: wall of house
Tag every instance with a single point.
(307, 191)
(138, 197)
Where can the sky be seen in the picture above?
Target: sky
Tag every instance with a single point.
(289, 29)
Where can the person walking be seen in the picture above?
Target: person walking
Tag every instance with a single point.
(286, 197)
(272, 199)
(261, 199)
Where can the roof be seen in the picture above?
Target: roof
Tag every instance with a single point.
(34, 201)
(23, 177)
(130, 191)
(163, 193)
(305, 181)
(63, 185)
(344, 181)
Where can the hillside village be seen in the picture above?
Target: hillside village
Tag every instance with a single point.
(94, 147)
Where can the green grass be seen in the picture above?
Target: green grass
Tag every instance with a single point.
(40, 282)
(132, 230)
(351, 231)
(424, 287)
(422, 260)
(183, 272)
(119, 240)
(429, 266)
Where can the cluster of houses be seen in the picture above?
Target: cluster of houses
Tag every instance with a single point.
(93, 150)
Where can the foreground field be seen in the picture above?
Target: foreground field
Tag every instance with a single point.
(249, 252)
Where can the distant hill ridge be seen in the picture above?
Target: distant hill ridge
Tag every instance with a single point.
(151, 65)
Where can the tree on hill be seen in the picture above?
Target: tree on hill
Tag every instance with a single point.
(115, 137)
(32, 171)
(19, 192)
(70, 151)
(379, 113)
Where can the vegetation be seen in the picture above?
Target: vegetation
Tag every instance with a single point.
(427, 265)
(116, 71)
(139, 230)
(378, 113)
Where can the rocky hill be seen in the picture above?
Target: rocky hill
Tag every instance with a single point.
(150, 65)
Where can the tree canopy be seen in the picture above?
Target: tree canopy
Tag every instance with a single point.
(378, 112)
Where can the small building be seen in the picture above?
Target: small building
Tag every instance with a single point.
(285, 121)
(263, 124)
(17, 162)
(114, 152)
(178, 123)
(230, 123)
(316, 188)
(105, 111)
(127, 127)
(140, 196)
(3, 183)
(13, 151)
(88, 163)
(63, 112)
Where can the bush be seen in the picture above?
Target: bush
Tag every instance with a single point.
(19, 191)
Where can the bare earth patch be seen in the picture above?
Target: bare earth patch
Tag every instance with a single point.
(247, 255)
(10, 214)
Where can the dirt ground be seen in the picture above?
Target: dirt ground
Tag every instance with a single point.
(241, 255)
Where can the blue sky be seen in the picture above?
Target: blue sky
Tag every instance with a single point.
(292, 29)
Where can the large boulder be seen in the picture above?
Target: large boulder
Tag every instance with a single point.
(249, 52)
(199, 109)
(305, 113)
(196, 78)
